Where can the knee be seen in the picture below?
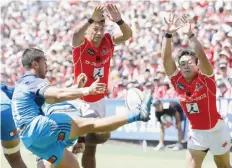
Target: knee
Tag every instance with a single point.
(103, 137)
(97, 138)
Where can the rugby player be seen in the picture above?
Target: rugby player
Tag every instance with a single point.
(92, 52)
(47, 135)
(194, 82)
(9, 135)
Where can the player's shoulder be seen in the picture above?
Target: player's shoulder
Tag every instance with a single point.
(175, 75)
(202, 75)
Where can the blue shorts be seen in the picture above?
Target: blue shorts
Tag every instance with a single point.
(53, 133)
(65, 108)
(8, 128)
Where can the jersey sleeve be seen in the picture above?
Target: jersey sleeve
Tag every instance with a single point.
(77, 51)
(39, 86)
(174, 78)
(209, 81)
(8, 90)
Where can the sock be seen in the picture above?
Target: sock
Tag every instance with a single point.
(133, 116)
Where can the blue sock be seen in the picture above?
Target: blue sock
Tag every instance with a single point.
(133, 116)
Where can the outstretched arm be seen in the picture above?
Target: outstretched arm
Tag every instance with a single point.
(79, 33)
(115, 16)
(205, 65)
(56, 95)
(168, 62)
(166, 52)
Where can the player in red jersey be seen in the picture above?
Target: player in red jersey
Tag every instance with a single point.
(196, 88)
(92, 52)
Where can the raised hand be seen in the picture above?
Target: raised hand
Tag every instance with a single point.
(113, 12)
(171, 23)
(98, 13)
(81, 80)
(97, 88)
(187, 26)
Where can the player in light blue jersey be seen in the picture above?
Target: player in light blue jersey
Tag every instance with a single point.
(46, 135)
(9, 135)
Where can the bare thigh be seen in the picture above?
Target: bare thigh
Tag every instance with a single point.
(195, 158)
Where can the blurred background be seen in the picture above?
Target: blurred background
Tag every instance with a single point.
(49, 25)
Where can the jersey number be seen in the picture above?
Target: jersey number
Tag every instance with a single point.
(192, 108)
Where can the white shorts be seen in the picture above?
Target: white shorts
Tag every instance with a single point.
(228, 121)
(217, 140)
(90, 110)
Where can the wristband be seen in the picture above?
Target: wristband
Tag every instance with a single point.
(191, 36)
(81, 140)
(168, 35)
(90, 20)
(120, 22)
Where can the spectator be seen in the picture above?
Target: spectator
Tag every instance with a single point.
(49, 25)
(164, 110)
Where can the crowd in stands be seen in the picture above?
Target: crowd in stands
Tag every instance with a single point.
(49, 25)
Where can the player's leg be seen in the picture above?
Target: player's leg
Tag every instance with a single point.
(68, 161)
(91, 141)
(96, 110)
(222, 160)
(88, 158)
(198, 145)
(179, 145)
(12, 153)
(10, 140)
(161, 145)
(41, 163)
(195, 158)
(178, 127)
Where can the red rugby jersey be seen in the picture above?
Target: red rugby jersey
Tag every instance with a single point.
(198, 100)
(94, 62)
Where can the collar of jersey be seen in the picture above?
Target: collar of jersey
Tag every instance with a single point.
(28, 73)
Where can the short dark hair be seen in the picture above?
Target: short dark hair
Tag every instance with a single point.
(189, 53)
(30, 55)
(157, 102)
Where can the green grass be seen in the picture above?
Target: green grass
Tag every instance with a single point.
(114, 155)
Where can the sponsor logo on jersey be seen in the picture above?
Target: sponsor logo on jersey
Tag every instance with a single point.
(198, 87)
(104, 51)
(91, 52)
(192, 99)
(97, 64)
(181, 86)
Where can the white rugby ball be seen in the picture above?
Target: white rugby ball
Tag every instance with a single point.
(134, 98)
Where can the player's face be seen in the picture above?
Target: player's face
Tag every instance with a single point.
(42, 68)
(96, 32)
(188, 66)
